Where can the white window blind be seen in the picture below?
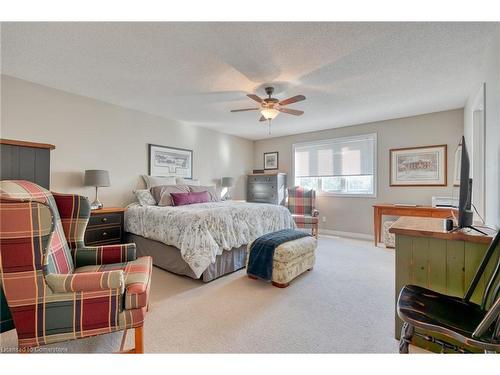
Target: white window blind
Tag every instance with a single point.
(344, 166)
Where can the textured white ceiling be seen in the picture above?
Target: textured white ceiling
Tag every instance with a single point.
(196, 73)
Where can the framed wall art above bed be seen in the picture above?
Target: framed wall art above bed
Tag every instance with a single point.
(170, 161)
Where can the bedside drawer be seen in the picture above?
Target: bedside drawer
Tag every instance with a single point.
(98, 235)
(105, 219)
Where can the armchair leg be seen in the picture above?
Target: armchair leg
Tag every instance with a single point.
(124, 338)
(315, 231)
(407, 332)
(139, 340)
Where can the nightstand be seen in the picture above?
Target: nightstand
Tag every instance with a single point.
(105, 226)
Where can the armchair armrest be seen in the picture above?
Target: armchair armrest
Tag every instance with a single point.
(96, 255)
(315, 212)
(488, 320)
(86, 281)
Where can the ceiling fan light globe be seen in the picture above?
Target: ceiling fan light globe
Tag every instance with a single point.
(269, 113)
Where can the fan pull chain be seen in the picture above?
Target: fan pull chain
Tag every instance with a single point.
(269, 127)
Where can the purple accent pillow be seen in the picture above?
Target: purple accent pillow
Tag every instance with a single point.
(181, 199)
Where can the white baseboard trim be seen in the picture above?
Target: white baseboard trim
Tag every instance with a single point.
(339, 233)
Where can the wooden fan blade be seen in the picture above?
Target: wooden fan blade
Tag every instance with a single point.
(244, 109)
(293, 99)
(262, 118)
(255, 97)
(291, 111)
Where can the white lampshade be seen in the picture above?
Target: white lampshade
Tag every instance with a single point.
(269, 113)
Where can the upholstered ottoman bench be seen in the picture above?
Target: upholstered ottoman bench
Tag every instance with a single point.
(290, 259)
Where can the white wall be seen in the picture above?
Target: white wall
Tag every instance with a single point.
(355, 215)
(490, 75)
(91, 134)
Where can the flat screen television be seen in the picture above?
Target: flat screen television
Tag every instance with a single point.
(465, 214)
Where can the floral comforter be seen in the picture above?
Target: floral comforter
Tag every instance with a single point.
(202, 231)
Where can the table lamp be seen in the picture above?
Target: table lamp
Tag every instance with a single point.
(97, 178)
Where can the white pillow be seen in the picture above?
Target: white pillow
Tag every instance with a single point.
(187, 181)
(213, 191)
(152, 181)
(145, 197)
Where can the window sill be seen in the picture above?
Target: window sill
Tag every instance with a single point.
(326, 194)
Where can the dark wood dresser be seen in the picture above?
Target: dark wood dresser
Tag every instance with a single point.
(22, 160)
(105, 227)
(267, 188)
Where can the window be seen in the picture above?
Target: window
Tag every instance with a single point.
(340, 166)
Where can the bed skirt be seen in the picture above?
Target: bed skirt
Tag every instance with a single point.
(169, 258)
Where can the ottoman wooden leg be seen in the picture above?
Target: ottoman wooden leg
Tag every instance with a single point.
(252, 277)
(278, 285)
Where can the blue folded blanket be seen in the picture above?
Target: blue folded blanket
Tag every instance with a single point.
(260, 261)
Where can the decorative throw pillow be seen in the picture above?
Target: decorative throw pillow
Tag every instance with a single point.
(187, 181)
(144, 197)
(182, 199)
(152, 181)
(161, 194)
(212, 191)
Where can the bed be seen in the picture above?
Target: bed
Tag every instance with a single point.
(204, 240)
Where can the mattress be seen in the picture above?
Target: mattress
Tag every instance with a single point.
(204, 231)
(169, 258)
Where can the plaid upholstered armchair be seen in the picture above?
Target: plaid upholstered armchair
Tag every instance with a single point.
(301, 205)
(57, 289)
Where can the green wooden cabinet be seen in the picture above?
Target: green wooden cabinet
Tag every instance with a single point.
(446, 266)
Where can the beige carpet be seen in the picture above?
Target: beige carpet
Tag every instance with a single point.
(345, 305)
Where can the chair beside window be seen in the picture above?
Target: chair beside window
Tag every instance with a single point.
(301, 203)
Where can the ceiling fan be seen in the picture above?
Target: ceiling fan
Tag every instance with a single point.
(270, 107)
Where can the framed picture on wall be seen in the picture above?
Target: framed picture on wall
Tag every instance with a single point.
(170, 161)
(418, 166)
(271, 160)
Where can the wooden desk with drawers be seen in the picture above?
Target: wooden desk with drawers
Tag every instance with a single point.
(380, 210)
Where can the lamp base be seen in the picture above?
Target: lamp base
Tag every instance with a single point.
(96, 205)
